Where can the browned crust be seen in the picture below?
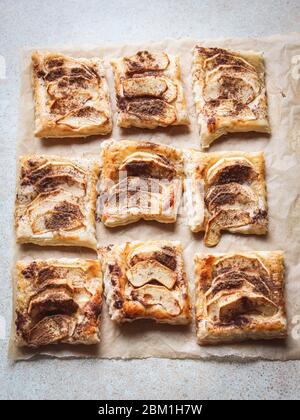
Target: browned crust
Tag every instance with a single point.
(242, 327)
(149, 111)
(246, 170)
(49, 309)
(71, 220)
(121, 307)
(164, 167)
(84, 74)
(241, 74)
(114, 153)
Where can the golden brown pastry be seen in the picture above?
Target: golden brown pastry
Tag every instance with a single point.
(139, 180)
(146, 280)
(149, 90)
(229, 92)
(239, 296)
(226, 192)
(58, 301)
(71, 96)
(56, 200)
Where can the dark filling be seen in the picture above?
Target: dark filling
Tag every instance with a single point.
(143, 60)
(147, 107)
(55, 62)
(167, 258)
(47, 273)
(53, 302)
(55, 74)
(236, 173)
(64, 214)
(148, 169)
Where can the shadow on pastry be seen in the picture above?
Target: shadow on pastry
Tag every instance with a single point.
(249, 347)
(139, 328)
(165, 227)
(61, 351)
(171, 131)
(49, 143)
(33, 249)
(198, 235)
(240, 237)
(238, 140)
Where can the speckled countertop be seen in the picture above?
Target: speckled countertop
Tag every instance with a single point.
(35, 23)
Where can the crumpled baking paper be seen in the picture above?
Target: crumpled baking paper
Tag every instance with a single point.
(143, 339)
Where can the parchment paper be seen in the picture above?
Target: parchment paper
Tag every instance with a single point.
(143, 339)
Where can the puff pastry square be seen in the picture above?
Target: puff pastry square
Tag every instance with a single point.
(71, 96)
(240, 296)
(149, 90)
(146, 280)
(56, 201)
(227, 192)
(58, 301)
(229, 92)
(139, 180)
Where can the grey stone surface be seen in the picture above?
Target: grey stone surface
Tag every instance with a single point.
(36, 23)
